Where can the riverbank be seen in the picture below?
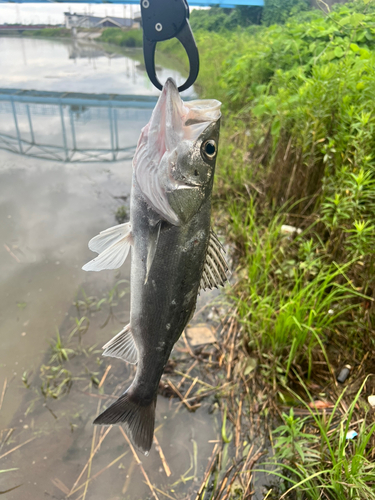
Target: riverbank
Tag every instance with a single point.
(114, 36)
(294, 196)
(49, 33)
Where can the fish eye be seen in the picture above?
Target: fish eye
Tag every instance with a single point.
(209, 149)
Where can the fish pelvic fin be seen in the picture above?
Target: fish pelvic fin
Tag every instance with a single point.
(112, 245)
(139, 420)
(122, 346)
(215, 268)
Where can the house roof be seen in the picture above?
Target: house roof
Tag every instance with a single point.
(97, 21)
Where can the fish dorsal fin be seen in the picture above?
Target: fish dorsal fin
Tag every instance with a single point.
(112, 245)
(153, 239)
(215, 267)
(122, 346)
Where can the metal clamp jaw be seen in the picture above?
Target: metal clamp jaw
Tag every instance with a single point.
(162, 20)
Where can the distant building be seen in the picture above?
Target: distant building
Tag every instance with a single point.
(85, 21)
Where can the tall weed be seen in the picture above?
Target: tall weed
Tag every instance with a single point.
(298, 139)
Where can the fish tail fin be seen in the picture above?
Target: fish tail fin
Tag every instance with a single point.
(139, 419)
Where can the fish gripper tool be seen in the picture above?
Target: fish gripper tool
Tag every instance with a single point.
(162, 20)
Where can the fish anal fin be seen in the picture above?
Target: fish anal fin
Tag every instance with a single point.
(139, 419)
(215, 267)
(122, 346)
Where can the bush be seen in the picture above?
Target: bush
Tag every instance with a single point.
(116, 36)
(217, 19)
(279, 11)
(299, 125)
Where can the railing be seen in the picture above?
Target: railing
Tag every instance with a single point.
(57, 139)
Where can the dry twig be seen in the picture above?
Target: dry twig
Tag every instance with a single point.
(174, 388)
(60, 485)
(162, 457)
(211, 463)
(16, 448)
(104, 376)
(12, 254)
(3, 393)
(74, 489)
(139, 463)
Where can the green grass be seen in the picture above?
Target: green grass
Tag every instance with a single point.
(49, 33)
(289, 299)
(116, 36)
(297, 148)
(315, 460)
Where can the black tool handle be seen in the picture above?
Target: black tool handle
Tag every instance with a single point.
(162, 20)
(186, 38)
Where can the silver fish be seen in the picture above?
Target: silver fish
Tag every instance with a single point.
(174, 251)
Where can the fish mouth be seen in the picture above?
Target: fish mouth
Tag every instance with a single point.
(170, 90)
(174, 120)
(188, 113)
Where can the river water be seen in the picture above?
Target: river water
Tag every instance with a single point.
(65, 170)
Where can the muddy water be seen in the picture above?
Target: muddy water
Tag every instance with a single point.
(48, 212)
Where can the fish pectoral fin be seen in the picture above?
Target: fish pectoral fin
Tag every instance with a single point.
(215, 267)
(153, 239)
(108, 237)
(122, 346)
(113, 246)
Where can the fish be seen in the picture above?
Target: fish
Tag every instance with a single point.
(174, 252)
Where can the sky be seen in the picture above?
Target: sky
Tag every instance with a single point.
(53, 13)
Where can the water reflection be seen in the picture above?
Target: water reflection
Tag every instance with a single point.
(81, 49)
(76, 66)
(72, 127)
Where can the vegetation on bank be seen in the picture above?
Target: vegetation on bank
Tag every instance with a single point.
(116, 36)
(221, 20)
(298, 143)
(274, 12)
(49, 33)
(297, 149)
